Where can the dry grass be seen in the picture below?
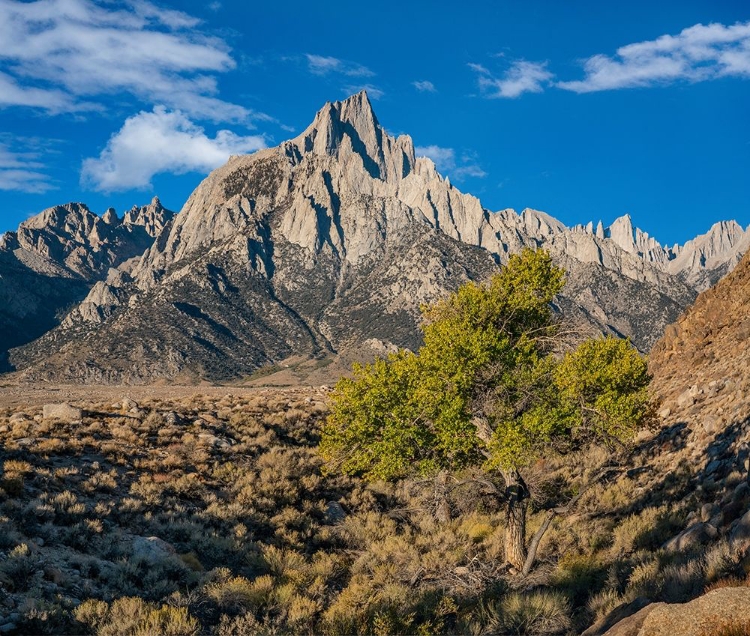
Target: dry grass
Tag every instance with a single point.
(233, 484)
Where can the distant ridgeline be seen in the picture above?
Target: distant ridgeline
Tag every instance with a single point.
(324, 245)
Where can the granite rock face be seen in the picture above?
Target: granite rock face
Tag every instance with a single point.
(335, 238)
(51, 261)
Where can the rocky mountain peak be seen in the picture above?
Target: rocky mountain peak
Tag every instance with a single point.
(152, 217)
(350, 128)
(110, 217)
(622, 232)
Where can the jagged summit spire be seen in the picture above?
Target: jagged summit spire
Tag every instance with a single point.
(350, 127)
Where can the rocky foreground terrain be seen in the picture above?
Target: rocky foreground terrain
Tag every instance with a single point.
(322, 247)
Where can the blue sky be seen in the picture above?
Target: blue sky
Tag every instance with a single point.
(586, 110)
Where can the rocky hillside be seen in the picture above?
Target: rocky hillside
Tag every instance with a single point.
(51, 261)
(700, 365)
(690, 476)
(332, 240)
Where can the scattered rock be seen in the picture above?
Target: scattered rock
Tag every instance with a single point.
(152, 549)
(643, 435)
(63, 411)
(741, 491)
(19, 417)
(685, 399)
(665, 413)
(713, 466)
(697, 534)
(334, 512)
(741, 531)
(708, 510)
(711, 424)
(128, 404)
(212, 440)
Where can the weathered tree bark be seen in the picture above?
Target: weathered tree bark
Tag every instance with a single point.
(442, 507)
(517, 495)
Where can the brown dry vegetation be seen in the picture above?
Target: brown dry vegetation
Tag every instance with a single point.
(250, 541)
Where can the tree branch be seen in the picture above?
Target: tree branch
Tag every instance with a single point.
(560, 510)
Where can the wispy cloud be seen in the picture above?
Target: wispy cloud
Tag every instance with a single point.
(522, 77)
(372, 91)
(699, 53)
(58, 54)
(323, 65)
(447, 162)
(20, 170)
(51, 99)
(161, 141)
(424, 86)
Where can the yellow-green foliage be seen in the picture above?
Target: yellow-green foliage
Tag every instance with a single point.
(484, 382)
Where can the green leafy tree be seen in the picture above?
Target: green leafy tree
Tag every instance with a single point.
(487, 389)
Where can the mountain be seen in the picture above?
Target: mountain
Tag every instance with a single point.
(327, 244)
(52, 260)
(700, 364)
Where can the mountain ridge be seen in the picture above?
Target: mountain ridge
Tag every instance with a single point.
(333, 239)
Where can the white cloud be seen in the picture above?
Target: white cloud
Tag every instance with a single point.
(424, 86)
(323, 65)
(19, 171)
(373, 92)
(522, 77)
(446, 162)
(698, 53)
(57, 53)
(53, 100)
(161, 141)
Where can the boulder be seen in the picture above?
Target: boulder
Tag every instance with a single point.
(63, 411)
(685, 399)
(711, 424)
(694, 535)
(212, 440)
(334, 512)
(702, 615)
(152, 549)
(619, 616)
(708, 510)
(741, 531)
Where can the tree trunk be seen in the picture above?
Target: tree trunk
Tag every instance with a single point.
(517, 495)
(442, 507)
